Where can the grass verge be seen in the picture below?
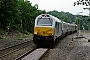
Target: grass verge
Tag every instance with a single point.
(23, 36)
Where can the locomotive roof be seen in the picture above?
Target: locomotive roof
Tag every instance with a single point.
(56, 19)
(49, 16)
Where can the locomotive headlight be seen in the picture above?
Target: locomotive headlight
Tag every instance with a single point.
(35, 33)
(51, 34)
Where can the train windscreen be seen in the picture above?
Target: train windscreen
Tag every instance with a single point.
(44, 22)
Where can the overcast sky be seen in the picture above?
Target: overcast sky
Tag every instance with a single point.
(60, 5)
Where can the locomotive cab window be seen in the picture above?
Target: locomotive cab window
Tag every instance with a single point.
(44, 22)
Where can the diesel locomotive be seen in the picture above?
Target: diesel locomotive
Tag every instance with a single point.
(49, 29)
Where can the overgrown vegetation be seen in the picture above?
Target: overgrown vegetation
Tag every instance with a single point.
(23, 36)
(18, 15)
(85, 3)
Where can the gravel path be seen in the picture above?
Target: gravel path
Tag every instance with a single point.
(64, 50)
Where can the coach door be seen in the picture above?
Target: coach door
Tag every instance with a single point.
(60, 29)
(57, 29)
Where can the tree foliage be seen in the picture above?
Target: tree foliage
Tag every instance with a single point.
(18, 14)
(65, 16)
(82, 2)
(86, 3)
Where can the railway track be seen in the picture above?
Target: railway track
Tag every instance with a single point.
(9, 50)
(35, 54)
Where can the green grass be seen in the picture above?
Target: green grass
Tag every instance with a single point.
(23, 36)
(1, 38)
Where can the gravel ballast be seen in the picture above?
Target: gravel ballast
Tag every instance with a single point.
(64, 50)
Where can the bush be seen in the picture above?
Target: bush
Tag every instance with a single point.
(1, 38)
(23, 31)
(1, 33)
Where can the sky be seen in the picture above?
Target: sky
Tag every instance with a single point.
(60, 5)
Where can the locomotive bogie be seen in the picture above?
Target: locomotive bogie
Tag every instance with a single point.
(43, 40)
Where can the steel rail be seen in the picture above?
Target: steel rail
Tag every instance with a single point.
(34, 54)
(13, 46)
(25, 54)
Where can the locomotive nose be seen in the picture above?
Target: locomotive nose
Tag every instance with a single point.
(42, 31)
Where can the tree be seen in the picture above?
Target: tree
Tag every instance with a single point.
(65, 16)
(84, 2)
(8, 11)
(28, 14)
